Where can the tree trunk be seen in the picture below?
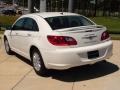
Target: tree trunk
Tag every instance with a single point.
(104, 8)
(95, 10)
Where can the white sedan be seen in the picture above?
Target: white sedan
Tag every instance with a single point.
(54, 40)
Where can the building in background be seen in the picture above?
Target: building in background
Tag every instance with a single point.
(51, 5)
(85, 7)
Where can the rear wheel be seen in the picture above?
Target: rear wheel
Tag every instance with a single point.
(7, 47)
(38, 63)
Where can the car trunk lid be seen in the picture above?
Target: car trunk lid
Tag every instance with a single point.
(85, 35)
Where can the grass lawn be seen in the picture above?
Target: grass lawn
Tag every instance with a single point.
(7, 20)
(115, 36)
(112, 23)
(1, 32)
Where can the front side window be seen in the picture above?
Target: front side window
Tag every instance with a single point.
(61, 22)
(26, 24)
(18, 25)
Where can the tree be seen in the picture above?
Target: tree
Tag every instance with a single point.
(8, 1)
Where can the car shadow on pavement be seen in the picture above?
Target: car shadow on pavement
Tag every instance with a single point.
(23, 59)
(81, 73)
(85, 72)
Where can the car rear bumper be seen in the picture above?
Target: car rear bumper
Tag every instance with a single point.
(67, 58)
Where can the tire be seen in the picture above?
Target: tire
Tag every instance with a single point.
(38, 63)
(7, 47)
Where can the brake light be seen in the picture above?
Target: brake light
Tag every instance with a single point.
(61, 40)
(105, 35)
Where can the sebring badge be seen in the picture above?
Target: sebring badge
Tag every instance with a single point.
(89, 37)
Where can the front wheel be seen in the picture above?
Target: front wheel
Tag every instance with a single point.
(7, 47)
(38, 63)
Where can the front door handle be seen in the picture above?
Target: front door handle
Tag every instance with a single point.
(29, 35)
(16, 33)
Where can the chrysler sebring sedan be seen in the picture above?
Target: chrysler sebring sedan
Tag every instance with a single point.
(55, 40)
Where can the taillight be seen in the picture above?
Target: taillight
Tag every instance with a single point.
(105, 35)
(61, 40)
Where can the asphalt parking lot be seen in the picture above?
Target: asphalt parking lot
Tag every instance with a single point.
(16, 73)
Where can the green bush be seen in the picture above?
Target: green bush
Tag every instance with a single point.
(112, 23)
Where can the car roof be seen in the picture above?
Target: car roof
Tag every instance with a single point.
(52, 14)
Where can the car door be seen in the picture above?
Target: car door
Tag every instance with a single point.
(14, 34)
(27, 35)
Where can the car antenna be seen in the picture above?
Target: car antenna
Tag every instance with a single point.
(62, 7)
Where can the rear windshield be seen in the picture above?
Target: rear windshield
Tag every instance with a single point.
(61, 22)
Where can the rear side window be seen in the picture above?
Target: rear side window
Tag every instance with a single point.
(61, 22)
(30, 25)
